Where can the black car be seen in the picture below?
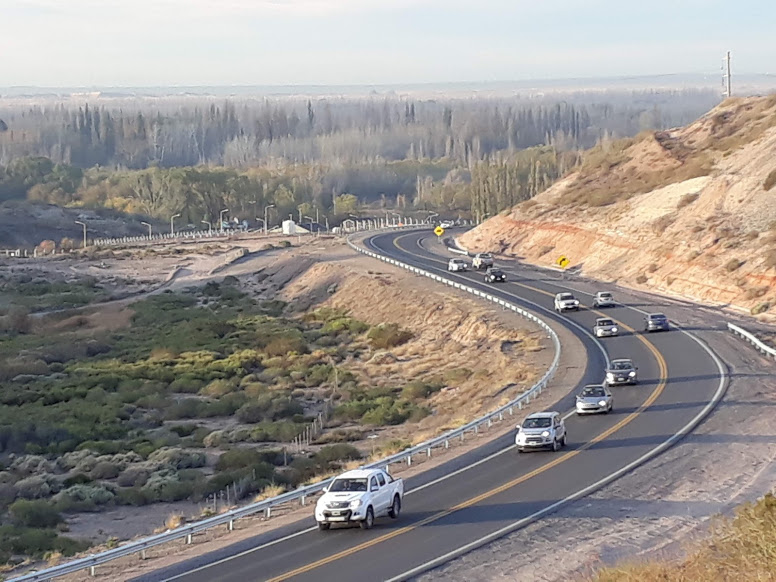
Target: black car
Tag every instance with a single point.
(655, 322)
(495, 276)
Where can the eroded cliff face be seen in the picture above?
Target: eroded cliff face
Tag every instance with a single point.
(691, 211)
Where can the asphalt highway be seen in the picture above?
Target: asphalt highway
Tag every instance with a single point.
(679, 379)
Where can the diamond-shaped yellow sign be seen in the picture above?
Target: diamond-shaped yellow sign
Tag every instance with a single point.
(439, 231)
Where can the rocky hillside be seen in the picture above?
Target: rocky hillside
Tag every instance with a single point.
(690, 211)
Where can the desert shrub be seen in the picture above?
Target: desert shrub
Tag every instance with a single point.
(186, 383)
(32, 464)
(166, 486)
(218, 388)
(133, 496)
(641, 279)
(244, 458)
(105, 470)
(269, 407)
(35, 487)
(770, 181)
(692, 255)
(418, 390)
(276, 432)
(338, 452)
(284, 244)
(652, 268)
(340, 436)
(732, 265)
(177, 458)
(215, 439)
(35, 513)
(83, 498)
(282, 345)
(686, 200)
(456, 376)
(133, 477)
(388, 335)
(760, 308)
(184, 430)
(769, 260)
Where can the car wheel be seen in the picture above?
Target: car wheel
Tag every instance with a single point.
(563, 441)
(555, 445)
(369, 520)
(393, 513)
(323, 526)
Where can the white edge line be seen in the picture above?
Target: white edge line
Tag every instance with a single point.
(686, 429)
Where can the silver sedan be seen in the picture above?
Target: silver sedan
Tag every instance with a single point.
(594, 398)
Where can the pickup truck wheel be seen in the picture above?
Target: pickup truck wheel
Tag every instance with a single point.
(393, 513)
(369, 520)
(323, 526)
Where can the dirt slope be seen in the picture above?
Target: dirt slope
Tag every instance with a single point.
(686, 211)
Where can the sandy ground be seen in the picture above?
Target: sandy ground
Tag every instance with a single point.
(659, 508)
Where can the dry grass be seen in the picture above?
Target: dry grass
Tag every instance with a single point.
(743, 548)
(770, 181)
(173, 521)
(641, 279)
(769, 261)
(733, 265)
(686, 200)
(269, 491)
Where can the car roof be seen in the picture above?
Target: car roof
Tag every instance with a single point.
(358, 474)
(603, 319)
(546, 414)
(604, 293)
(622, 360)
(566, 293)
(656, 315)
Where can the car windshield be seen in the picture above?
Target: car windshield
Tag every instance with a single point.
(593, 391)
(605, 322)
(457, 261)
(348, 485)
(621, 365)
(565, 296)
(544, 422)
(495, 271)
(605, 295)
(485, 256)
(657, 317)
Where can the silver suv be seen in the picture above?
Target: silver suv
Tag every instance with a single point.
(541, 430)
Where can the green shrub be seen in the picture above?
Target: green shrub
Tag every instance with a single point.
(105, 470)
(35, 513)
(418, 389)
(338, 452)
(388, 335)
(177, 458)
(83, 498)
(269, 407)
(133, 477)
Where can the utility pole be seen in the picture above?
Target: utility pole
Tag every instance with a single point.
(727, 85)
(84, 225)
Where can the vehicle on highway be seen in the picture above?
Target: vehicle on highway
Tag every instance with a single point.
(566, 302)
(493, 275)
(447, 224)
(594, 398)
(655, 322)
(603, 299)
(541, 430)
(621, 371)
(482, 261)
(457, 265)
(605, 327)
(359, 496)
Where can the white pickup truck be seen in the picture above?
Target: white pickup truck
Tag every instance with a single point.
(359, 497)
(482, 261)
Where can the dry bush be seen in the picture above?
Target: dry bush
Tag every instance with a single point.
(546, 249)
(732, 265)
(670, 280)
(692, 255)
(269, 491)
(686, 200)
(752, 235)
(756, 292)
(697, 228)
(661, 224)
(769, 260)
(770, 181)
(641, 279)
(760, 308)
(652, 267)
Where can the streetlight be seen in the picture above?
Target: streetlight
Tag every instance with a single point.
(149, 228)
(262, 222)
(266, 209)
(172, 223)
(221, 218)
(84, 225)
(209, 226)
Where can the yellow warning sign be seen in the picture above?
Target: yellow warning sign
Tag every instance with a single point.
(562, 261)
(439, 231)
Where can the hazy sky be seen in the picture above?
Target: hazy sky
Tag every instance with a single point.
(269, 42)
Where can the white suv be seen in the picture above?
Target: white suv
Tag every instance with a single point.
(541, 430)
(457, 265)
(566, 302)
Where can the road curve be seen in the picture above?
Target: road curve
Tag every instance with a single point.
(504, 491)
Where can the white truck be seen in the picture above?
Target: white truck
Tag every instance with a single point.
(566, 302)
(541, 430)
(359, 497)
(482, 261)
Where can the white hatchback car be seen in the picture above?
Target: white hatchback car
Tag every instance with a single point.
(457, 265)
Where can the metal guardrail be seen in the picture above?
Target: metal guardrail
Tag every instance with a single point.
(749, 337)
(302, 493)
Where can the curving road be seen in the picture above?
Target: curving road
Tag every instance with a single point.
(493, 490)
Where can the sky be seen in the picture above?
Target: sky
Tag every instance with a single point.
(131, 43)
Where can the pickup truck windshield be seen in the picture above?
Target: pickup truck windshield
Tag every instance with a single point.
(537, 423)
(566, 296)
(348, 485)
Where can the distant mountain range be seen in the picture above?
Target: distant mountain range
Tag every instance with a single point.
(743, 84)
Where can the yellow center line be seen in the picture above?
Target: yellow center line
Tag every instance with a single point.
(517, 481)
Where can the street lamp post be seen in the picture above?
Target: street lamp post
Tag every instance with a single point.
(221, 219)
(209, 226)
(172, 223)
(311, 223)
(258, 219)
(266, 209)
(149, 228)
(84, 225)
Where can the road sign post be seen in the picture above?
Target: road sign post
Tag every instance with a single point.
(439, 231)
(562, 261)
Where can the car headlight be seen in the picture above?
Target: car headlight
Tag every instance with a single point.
(546, 433)
(614, 330)
(632, 374)
(355, 503)
(609, 376)
(602, 403)
(576, 302)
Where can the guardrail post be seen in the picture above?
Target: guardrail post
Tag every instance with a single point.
(303, 499)
(520, 405)
(490, 422)
(409, 460)
(428, 452)
(447, 444)
(142, 555)
(188, 539)
(231, 525)
(476, 429)
(500, 416)
(268, 512)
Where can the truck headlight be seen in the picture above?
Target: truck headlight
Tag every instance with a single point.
(602, 403)
(355, 503)
(546, 433)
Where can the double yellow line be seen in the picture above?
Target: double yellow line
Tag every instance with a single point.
(663, 367)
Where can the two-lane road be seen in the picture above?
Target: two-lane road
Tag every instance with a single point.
(503, 490)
